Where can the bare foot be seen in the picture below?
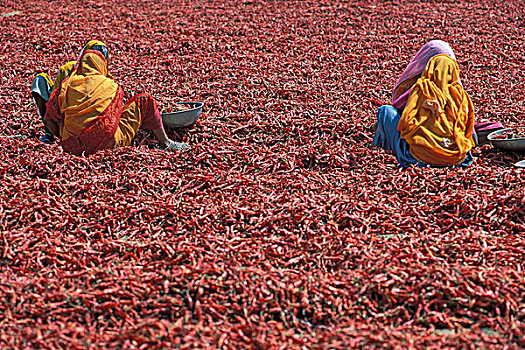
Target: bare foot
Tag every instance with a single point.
(173, 145)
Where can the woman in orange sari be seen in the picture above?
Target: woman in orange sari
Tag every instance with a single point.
(438, 119)
(86, 110)
(433, 124)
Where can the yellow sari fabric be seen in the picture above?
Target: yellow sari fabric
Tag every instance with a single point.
(62, 74)
(89, 46)
(130, 122)
(438, 119)
(85, 95)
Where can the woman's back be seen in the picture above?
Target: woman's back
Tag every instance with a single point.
(86, 94)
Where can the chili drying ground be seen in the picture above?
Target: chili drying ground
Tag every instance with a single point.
(282, 226)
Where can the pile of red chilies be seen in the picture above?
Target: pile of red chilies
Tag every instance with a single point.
(282, 227)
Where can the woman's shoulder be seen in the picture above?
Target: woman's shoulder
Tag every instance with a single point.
(68, 66)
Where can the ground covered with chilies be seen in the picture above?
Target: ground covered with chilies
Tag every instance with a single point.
(282, 226)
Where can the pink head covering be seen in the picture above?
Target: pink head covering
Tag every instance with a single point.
(417, 66)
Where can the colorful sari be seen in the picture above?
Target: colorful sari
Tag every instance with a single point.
(87, 106)
(96, 46)
(64, 72)
(43, 86)
(438, 119)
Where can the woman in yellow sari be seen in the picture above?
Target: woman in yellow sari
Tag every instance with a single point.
(86, 110)
(438, 119)
(435, 126)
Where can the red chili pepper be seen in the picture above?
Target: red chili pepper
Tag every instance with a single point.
(282, 226)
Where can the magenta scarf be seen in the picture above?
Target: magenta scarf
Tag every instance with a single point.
(417, 65)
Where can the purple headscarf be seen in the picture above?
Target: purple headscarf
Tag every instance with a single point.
(417, 66)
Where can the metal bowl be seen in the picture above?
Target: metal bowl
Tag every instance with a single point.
(520, 164)
(511, 145)
(181, 119)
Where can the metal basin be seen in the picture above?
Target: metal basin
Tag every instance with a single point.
(181, 119)
(510, 145)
